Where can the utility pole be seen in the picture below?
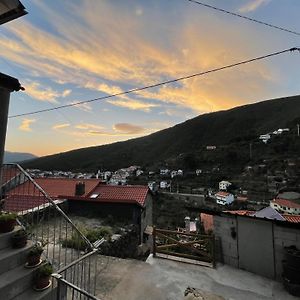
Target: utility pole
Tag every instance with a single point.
(298, 129)
(7, 85)
(250, 151)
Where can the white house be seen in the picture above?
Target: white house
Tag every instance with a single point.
(223, 185)
(180, 172)
(152, 185)
(286, 206)
(224, 198)
(164, 171)
(173, 174)
(198, 172)
(164, 185)
(265, 137)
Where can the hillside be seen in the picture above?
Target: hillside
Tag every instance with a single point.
(11, 157)
(219, 128)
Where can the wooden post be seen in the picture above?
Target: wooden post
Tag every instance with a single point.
(154, 241)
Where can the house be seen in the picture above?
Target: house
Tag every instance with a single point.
(164, 184)
(223, 185)
(198, 172)
(211, 147)
(152, 185)
(164, 172)
(180, 172)
(265, 137)
(131, 204)
(174, 173)
(224, 198)
(286, 206)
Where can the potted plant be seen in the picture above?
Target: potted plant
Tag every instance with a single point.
(19, 239)
(7, 221)
(42, 278)
(34, 256)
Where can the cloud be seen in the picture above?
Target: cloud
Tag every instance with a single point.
(253, 5)
(60, 126)
(86, 126)
(134, 104)
(25, 125)
(123, 53)
(38, 92)
(128, 128)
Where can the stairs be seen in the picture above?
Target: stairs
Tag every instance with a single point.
(15, 280)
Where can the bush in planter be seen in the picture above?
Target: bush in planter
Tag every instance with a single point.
(7, 222)
(42, 277)
(19, 239)
(34, 256)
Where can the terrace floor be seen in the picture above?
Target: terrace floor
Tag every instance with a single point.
(161, 279)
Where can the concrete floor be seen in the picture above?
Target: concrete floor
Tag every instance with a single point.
(161, 279)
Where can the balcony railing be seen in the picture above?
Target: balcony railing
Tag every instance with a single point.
(72, 255)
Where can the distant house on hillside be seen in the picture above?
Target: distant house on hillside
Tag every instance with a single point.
(286, 206)
(224, 185)
(224, 198)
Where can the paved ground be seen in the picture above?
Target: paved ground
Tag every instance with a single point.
(161, 279)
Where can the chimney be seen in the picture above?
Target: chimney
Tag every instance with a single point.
(79, 188)
(187, 221)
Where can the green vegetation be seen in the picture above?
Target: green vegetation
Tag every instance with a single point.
(92, 235)
(4, 217)
(44, 271)
(36, 250)
(184, 145)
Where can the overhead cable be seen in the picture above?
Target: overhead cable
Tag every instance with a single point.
(138, 89)
(244, 17)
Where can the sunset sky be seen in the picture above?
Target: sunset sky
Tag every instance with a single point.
(68, 51)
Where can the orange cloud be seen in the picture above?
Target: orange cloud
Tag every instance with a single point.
(133, 104)
(253, 5)
(26, 123)
(128, 128)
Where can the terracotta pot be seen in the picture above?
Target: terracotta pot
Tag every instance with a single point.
(33, 260)
(19, 241)
(42, 282)
(7, 226)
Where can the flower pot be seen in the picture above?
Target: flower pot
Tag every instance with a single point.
(292, 288)
(7, 225)
(33, 261)
(292, 255)
(19, 241)
(42, 283)
(291, 273)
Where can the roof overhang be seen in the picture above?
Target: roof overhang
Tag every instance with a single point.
(10, 10)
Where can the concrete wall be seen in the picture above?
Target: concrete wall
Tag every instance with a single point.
(147, 215)
(250, 249)
(227, 248)
(283, 237)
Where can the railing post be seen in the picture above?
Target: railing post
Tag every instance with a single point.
(154, 241)
(61, 287)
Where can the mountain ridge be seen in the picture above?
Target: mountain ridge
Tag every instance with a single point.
(217, 128)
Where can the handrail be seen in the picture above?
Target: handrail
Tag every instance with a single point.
(71, 285)
(89, 244)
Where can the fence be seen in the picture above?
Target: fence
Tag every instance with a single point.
(185, 247)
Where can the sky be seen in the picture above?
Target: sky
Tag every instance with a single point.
(68, 51)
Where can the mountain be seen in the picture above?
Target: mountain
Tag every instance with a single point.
(12, 157)
(218, 128)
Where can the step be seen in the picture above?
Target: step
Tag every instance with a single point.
(16, 281)
(11, 258)
(5, 238)
(31, 294)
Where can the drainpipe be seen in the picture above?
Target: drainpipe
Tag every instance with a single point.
(7, 85)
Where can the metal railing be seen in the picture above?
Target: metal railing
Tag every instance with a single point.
(43, 217)
(78, 280)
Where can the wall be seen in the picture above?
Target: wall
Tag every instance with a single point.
(146, 215)
(249, 249)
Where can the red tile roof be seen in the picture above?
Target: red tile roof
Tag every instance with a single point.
(240, 212)
(8, 173)
(135, 194)
(222, 194)
(18, 203)
(55, 187)
(286, 203)
(292, 218)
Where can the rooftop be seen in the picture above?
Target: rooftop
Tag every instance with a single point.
(286, 203)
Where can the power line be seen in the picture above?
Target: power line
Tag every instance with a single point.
(158, 84)
(244, 17)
